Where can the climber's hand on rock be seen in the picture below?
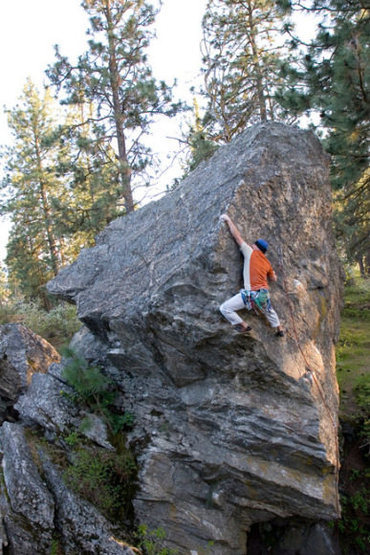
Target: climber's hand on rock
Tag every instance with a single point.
(225, 218)
(273, 276)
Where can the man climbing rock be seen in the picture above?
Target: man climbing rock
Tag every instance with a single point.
(256, 271)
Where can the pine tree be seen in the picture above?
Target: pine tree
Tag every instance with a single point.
(201, 148)
(241, 51)
(58, 194)
(34, 251)
(113, 76)
(92, 191)
(4, 287)
(332, 78)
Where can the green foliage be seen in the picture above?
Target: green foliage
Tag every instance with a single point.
(362, 391)
(354, 345)
(57, 199)
(4, 289)
(352, 526)
(87, 381)
(93, 194)
(7, 313)
(354, 380)
(95, 391)
(201, 147)
(242, 50)
(362, 395)
(34, 251)
(331, 79)
(113, 87)
(107, 479)
(118, 422)
(85, 425)
(56, 547)
(56, 325)
(72, 439)
(151, 541)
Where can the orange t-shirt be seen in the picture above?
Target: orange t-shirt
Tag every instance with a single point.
(257, 268)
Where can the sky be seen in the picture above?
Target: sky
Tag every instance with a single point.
(29, 29)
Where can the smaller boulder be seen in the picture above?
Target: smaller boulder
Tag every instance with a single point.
(27, 505)
(45, 404)
(22, 353)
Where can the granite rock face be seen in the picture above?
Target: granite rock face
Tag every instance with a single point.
(38, 512)
(82, 527)
(35, 510)
(27, 507)
(22, 353)
(44, 405)
(231, 430)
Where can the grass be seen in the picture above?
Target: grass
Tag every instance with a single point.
(353, 350)
(353, 355)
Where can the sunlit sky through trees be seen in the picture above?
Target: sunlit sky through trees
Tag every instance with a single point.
(30, 29)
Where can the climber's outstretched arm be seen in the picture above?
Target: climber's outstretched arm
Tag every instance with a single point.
(233, 229)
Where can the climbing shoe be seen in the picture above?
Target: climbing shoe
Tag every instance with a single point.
(242, 329)
(279, 333)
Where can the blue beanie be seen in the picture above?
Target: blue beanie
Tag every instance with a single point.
(262, 245)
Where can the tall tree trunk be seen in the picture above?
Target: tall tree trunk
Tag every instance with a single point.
(259, 77)
(361, 265)
(53, 251)
(119, 117)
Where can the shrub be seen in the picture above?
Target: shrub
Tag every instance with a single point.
(151, 541)
(89, 383)
(8, 313)
(60, 322)
(105, 478)
(94, 390)
(57, 325)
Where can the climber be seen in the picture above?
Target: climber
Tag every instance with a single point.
(257, 269)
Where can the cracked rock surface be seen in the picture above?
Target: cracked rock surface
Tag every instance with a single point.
(36, 506)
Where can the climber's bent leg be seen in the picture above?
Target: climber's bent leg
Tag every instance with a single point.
(229, 308)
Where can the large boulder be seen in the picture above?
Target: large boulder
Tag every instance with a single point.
(231, 430)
